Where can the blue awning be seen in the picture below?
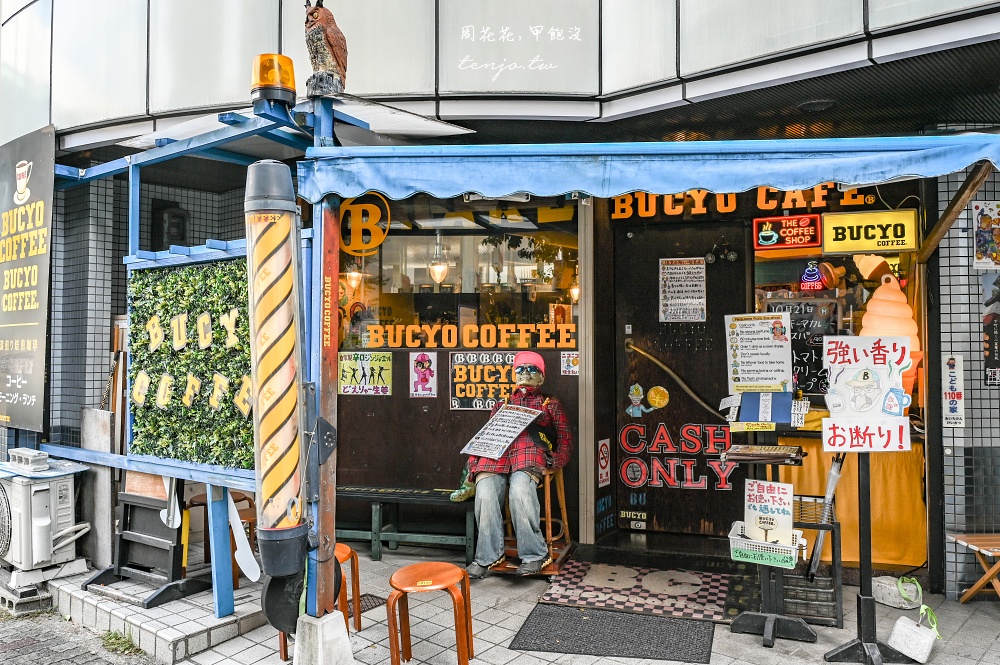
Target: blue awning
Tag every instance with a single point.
(610, 169)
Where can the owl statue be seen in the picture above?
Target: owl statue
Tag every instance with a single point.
(327, 51)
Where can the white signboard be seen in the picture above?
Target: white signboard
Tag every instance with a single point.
(496, 435)
(604, 462)
(569, 363)
(759, 352)
(866, 435)
(953, 390)
(866, 398)
(767, 511)
(682, 290)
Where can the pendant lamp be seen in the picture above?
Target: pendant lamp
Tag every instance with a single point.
(438, 267)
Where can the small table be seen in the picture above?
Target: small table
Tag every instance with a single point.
(984, 545)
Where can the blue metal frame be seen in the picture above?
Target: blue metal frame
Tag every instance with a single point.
(271, 121)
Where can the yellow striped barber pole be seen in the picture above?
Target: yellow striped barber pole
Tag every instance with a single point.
(275, 366)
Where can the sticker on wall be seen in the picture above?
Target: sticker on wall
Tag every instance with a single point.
(657, 398)
(423, 378)
(991, 327)
(682, 290)
(986, 219)
(953, 390)
(365, 373)
(604, 462)
(569, 363)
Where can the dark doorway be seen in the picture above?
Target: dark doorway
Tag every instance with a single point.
(667, 470)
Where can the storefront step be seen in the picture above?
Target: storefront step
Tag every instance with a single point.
(170, 632)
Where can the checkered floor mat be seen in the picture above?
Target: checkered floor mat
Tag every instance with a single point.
(685, 594)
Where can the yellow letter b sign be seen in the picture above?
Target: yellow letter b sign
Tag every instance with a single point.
(367, 219)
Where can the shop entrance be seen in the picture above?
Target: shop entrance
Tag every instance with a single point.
(667, 470)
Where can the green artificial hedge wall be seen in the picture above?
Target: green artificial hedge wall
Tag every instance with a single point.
(199, 432)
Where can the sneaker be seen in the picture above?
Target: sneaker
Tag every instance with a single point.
(463, 493)
(477, 571)
(533, 567)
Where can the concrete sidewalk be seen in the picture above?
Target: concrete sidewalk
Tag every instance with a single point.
(500, 604)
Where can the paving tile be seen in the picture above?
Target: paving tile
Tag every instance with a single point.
(253, 654)
(500, 656)
(262, 634)
(234, 645)
(373, 655)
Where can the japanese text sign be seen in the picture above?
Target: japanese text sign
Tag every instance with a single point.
(767, 512)
(866, 398)
(953, 390)
(496, 435)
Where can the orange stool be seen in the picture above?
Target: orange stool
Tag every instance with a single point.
(344, 554)
(430, 576)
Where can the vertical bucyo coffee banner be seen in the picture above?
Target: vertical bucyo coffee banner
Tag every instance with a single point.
(27, 167)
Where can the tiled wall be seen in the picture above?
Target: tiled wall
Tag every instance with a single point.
(90, 238)
(971, 454)
(213, 216)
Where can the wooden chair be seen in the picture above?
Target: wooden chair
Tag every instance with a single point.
(559, 542)
(984, 545)
(419, 578)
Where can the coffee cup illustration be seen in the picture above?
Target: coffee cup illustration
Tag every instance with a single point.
(22, 172)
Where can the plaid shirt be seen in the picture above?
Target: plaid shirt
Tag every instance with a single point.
(524, 453)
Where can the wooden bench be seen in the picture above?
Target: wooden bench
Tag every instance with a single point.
(385, 526)
(984, 545)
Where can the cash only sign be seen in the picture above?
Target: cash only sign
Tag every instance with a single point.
(27, 167)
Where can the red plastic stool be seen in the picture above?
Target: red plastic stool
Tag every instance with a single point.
(430, 576)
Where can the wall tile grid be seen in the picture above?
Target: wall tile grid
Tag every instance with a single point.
(81, 295)
(972, 454)
(213, 216)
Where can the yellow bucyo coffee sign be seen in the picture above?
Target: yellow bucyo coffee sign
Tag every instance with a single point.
(853, 232)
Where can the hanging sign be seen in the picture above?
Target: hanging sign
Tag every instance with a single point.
(759, 352)
(986, 220)
(365, 373)
(767, 512)
(953, 393)
(480, 380)
(682, 290)
(500, 431)
(26, 178)
(881, 231)
(796, 232)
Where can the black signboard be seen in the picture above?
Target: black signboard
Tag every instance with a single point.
(480, 379)
(27, 167)
(810, 319)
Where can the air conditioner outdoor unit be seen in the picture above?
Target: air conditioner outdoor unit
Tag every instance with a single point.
(37, 520)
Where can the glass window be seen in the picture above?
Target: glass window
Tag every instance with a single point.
(457, 274)
(24, 71)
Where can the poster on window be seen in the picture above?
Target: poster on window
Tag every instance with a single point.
(365, 373)
(759, 353)
(682, 290)
(423, 374)
(991, 327)
(986, 222)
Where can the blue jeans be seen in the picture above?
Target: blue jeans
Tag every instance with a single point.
(524, 511)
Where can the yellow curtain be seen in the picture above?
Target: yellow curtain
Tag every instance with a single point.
(899, 513)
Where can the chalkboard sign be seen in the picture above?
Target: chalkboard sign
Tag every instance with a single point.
(810, 319)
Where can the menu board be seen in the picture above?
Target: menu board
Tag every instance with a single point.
(759, 353)
(811, 319)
